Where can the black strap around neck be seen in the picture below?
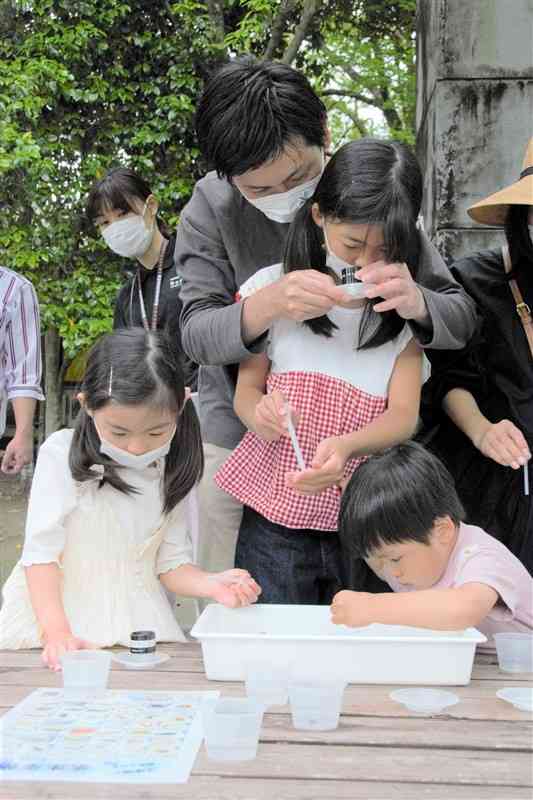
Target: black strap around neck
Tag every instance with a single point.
(528, 171)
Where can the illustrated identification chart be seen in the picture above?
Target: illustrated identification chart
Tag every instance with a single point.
(115, 737)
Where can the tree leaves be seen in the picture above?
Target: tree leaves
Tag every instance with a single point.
(93, 84)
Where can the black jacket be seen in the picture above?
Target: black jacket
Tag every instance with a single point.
(128, 309)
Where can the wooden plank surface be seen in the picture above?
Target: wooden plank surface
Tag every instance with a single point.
(238, 788)
(478, 700)
(479, 750)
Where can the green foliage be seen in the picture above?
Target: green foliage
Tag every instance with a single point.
(367, 64)
(91, 84)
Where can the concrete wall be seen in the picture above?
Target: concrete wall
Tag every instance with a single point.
(474, 110)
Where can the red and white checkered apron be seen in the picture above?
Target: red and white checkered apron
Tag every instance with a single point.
(255, 472)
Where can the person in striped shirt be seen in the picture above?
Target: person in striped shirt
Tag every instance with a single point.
(20, 365)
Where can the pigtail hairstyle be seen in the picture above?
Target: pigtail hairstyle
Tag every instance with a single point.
(366, 182)
(134, 367)
(304, 249)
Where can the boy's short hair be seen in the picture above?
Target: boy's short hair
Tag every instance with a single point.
(251, 110)
(394, 497)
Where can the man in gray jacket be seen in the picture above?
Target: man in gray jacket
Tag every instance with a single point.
(264, 131)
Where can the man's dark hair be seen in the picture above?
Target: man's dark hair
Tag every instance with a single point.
(396, 496)
(251, 110)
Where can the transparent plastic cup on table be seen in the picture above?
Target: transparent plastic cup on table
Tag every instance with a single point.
(231, 727)
(86, 670)
(515, 651)
(267, 685)
(316, 705)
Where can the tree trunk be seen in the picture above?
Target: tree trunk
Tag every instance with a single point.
(52, 381)
(310, 8)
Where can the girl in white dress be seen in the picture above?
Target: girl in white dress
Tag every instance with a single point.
(109, 518)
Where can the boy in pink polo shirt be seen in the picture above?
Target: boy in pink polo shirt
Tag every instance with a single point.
(401, 514)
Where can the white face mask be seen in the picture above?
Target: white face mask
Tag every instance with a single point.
(131, 460)
(356, 290)
(129, 237)
(332, 260)
(283, 207)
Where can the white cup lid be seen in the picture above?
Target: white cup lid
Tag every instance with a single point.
(424, 701)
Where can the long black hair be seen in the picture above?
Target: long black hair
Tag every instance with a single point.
(140, 368)
(396, 496)
(369, 181)
(519, 243)
(116, 191)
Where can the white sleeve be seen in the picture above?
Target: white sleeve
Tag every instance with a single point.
(260, 279)
(177, 546)
(53, 496)
(403, 339)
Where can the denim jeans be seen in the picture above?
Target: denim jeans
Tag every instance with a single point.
(292, 566)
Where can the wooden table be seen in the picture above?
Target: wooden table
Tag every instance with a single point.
(481, 749)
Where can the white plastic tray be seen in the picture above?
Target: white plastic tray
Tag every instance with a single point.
(304, 637)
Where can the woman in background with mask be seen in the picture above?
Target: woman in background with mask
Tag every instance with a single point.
(124, 210)
(483, 395)
(109, 517)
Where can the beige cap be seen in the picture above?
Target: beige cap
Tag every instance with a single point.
(493, 210)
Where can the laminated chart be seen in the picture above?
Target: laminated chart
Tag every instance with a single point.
(114, 737)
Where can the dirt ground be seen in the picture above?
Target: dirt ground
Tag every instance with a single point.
(13, 504)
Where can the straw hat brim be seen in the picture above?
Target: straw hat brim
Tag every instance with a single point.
(493, 210)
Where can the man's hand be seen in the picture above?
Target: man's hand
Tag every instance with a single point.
(394, 283)
(352, 608)
(19, 452)
(307, 294)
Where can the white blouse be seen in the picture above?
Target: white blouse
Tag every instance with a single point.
(55, 495)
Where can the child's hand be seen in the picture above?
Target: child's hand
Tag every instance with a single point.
(270, 418)
(58, 643)
(327, 468)
(352, 608)
(234, 588)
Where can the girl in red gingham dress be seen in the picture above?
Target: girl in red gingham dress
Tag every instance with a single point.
(350, 380)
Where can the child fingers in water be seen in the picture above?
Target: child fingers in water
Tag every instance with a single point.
(56, 644)
(234, 587)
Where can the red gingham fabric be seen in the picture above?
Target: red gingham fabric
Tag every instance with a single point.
(255, 472)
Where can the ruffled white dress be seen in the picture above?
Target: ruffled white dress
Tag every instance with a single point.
(110, 547)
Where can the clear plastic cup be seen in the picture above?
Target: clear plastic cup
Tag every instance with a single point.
(515, 651)
(85, 670)
(269, 686)
(315, 705)
(232, 729)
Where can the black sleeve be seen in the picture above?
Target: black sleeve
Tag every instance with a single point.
(459, 369)
(120, 319)
(456, 369)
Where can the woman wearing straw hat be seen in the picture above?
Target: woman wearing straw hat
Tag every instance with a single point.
(486, 390)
